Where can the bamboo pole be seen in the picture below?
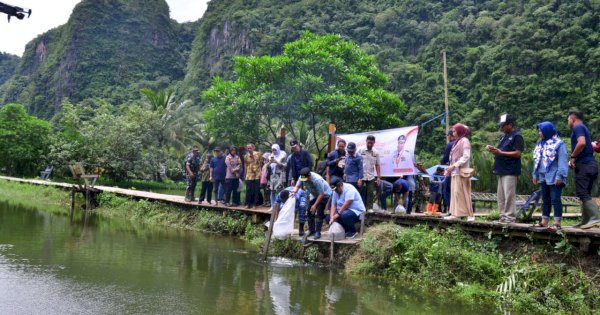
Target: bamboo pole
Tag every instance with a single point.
(446, 93)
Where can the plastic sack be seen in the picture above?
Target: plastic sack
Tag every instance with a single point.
(375, 207)
(337, 230)
(400, 209)
(284, 226)
(240, 186)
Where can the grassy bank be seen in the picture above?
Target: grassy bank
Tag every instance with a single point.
(520, 277)
(140, 211)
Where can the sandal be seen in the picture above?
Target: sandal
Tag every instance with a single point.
(539, 225)
(555, 227)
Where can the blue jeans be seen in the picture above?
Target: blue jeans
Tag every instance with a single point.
(551, 198)
(348, 220)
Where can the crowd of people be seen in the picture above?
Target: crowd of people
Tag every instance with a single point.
(348, 181)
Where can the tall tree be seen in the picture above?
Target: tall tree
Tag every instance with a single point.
(23, 140)
(317, 79)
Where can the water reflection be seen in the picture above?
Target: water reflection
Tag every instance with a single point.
(93, 265)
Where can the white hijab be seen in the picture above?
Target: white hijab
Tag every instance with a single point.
(280, 156)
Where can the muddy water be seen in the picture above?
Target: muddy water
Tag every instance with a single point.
(49, 265)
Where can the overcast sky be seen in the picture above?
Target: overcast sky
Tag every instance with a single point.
(48, 14)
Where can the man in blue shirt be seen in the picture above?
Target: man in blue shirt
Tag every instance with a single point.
(586, 169)
(300, 196)
(319, 192)
(401, 189)
(346, 206)
(353, 171)
(384, 190)
(218, 170)
(507, 166)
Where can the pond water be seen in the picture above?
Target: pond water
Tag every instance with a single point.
(49, 265)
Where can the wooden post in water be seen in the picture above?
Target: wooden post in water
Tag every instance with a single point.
(71, 213)
(331, 249)
(270, 232)
(88, 203)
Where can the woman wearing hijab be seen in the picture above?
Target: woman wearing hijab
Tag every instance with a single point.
(277, 163)
(460, 157)
(232, 177)
(550, 170)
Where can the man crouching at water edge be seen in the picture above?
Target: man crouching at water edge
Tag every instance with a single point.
(300, 196)
(319, 192)
(346, 206)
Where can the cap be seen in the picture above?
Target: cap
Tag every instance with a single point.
(450, 132)
(195, 148)
(304, 174)
(351, 146)
(294, 142)
(506, 119)
(217, 149)
(335, 181)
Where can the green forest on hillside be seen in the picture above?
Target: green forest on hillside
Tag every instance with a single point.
(534, 59)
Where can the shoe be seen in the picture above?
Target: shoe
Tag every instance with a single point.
(471, 218)
(351, 235)
(226, 204)
(434, 209)
(301, 229)
(248, 207)
(317, 235)
(428, 209)
(235, 205)
(450, 217)
(200, 201)
(591, 208)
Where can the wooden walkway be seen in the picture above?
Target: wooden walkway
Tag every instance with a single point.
(585, 238)
(172, 199)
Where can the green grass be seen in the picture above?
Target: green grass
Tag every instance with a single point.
(460, 267)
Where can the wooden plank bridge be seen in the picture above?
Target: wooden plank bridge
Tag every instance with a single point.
(586, 239)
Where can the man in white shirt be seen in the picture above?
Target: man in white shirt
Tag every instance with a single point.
(346, 206)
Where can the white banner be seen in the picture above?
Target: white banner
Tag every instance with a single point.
(396, 148)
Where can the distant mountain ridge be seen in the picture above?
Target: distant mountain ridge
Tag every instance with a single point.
(534, 59)
(107, 49)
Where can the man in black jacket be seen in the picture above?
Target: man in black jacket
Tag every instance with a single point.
(298, 160)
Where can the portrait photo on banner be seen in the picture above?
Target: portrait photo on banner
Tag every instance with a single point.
(395, 146)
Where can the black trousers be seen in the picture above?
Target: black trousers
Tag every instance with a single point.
(586, 174)
(206, 191)
(231, 193)
(252, 192)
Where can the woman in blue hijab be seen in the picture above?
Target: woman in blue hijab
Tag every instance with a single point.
(550, 170)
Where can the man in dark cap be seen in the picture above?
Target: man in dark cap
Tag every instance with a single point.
(298, 160)
(447, 179)
(192, 167)
(319, 192)
(507, 166)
